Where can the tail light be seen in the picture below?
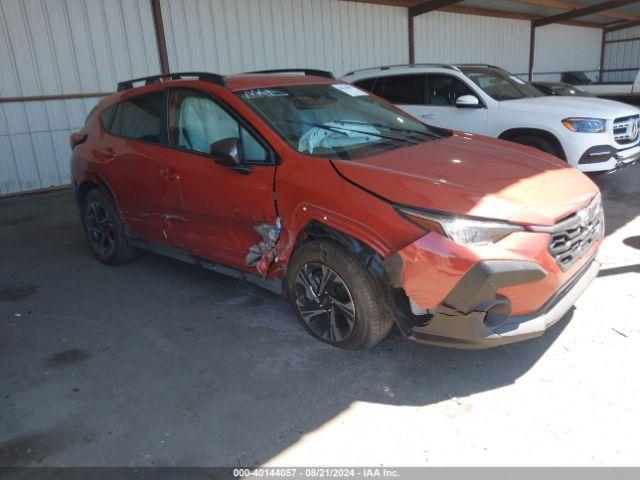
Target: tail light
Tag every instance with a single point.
(76, 139)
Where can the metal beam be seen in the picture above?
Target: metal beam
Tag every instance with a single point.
(603, 45)
(568, 5)
(532, 50)
(430, 6)
(390, 3)
(160, 38)
(581, 12)
(42, 98)
(621, 26)
(513, 15)
(412, 54)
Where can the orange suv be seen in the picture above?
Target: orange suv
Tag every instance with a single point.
(361, 215)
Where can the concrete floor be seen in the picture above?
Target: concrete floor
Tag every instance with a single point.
(161, 363)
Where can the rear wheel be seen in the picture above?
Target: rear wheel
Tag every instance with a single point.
(105, 231)
(335, 297)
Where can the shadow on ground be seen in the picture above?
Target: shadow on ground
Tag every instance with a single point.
(621, 196)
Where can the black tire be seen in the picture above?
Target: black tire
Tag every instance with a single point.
(371, 320)
(540, 143)
(104, 230)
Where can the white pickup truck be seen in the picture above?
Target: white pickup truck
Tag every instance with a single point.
(614, 90)
(593, 134)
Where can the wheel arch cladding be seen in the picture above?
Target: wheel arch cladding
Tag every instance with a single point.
(365, 253)
(88, 183)
(514, 133)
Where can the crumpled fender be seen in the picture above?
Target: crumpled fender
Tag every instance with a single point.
(306, 213)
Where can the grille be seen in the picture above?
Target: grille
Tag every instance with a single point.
(626, 129)
(572, 238)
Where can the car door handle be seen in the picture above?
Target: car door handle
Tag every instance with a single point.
(427, 115)
(170, 175)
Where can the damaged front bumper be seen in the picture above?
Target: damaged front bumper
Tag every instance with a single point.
(474, 316)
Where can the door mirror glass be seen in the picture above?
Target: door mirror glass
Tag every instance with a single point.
(226, 152)
(468, 101)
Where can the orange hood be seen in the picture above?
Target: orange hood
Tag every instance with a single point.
(475, 175)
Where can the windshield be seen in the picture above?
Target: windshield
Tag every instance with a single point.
(500, 85)
(564, 89)
(336, 120)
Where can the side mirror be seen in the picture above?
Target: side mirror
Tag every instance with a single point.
(226, 152)
(468, 101)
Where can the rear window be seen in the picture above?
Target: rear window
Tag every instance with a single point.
(138, 118)
(398, 89)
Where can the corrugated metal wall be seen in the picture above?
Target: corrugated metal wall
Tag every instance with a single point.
(565, 48)
(230, 36)
(54, 47)
(622, 55)
(459, 38)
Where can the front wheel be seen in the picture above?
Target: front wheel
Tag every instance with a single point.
(335, 297)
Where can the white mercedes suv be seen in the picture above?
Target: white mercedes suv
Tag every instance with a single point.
(593, 134)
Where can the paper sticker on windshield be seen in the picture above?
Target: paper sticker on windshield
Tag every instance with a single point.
(264, 92)
(516, 79)
(349, 89)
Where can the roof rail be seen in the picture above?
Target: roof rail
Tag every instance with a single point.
(401, 65)
(478, 65)
(306, 71)
(204, 76)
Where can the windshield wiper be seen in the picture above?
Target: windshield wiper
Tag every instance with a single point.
(389, 127)
(342, 131)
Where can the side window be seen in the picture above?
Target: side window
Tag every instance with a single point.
(443, 90)
(139, 118)
(402, 89)
(373, 85)
(196, 121)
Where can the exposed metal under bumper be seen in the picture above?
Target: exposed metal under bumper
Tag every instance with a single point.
(452, 328)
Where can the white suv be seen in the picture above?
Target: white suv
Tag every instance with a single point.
(592, 134)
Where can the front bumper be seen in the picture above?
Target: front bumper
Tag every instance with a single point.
(606, 158)
(474, 316)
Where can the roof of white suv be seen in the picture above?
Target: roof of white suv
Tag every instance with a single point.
(419, 66)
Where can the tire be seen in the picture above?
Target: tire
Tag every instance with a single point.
(324, 313)
(104, 230)
(540, 143)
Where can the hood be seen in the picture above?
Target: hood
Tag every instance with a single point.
(571, 106)
(473, 175)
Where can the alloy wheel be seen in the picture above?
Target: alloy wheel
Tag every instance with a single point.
(324, 302)
(100, 229)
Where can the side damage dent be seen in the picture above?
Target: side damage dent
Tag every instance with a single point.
(264, 253)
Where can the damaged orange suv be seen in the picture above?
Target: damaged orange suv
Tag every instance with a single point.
(361, 215)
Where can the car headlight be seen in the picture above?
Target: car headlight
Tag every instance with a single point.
(464, 231)
(585, 125)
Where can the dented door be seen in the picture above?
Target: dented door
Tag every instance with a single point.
(213, 209)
